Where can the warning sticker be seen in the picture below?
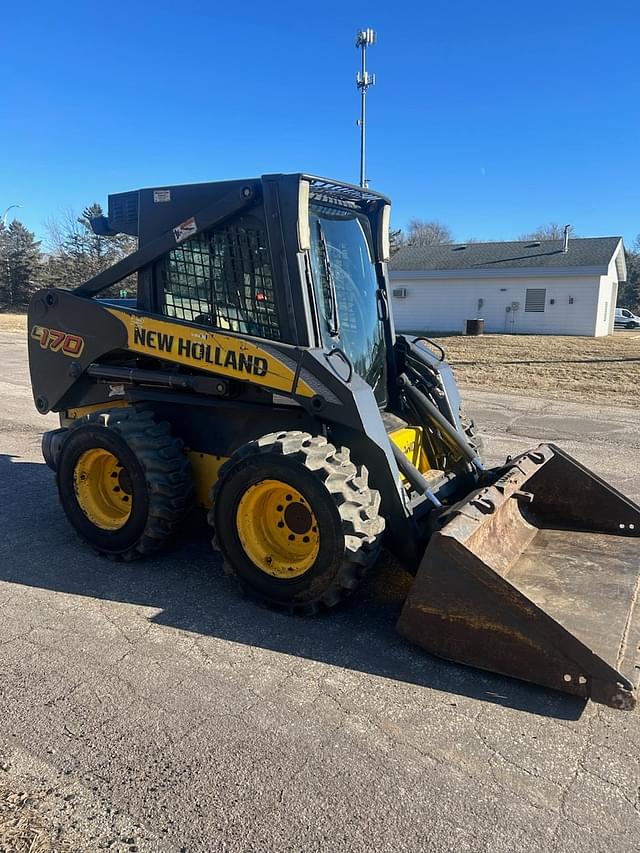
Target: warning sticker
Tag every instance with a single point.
(185, 229)
(161, 195)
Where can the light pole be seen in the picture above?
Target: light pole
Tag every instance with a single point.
(6, 213)
(364, 38)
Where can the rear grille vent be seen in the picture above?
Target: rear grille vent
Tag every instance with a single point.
(123, 211)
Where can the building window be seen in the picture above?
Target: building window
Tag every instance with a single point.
(222, 278)
(536, 298)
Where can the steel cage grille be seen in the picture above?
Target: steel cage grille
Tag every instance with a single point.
(223, 278)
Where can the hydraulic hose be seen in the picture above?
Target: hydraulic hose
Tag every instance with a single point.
(433, 414)
(414, 476)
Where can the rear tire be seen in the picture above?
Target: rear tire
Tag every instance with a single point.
(296, 521)
(124, 482)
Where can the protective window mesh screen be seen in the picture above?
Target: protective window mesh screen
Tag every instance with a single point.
(536, 297)
(223, 278)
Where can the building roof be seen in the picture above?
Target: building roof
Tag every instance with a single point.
(582, 252)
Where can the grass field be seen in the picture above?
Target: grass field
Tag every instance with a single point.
(581, 369)
(572, 368)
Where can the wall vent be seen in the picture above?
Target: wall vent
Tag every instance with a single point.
(536, 298)
(399, 293)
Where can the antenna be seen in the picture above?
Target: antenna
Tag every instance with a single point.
(364, 38)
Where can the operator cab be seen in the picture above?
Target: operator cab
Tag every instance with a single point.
(300, 261)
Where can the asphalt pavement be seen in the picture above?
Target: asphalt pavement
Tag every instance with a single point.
(158, 710)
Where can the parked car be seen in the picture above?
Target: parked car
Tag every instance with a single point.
(626, 319)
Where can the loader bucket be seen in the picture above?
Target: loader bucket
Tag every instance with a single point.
(536, 577)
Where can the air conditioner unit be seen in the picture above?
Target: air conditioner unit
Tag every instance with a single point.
(399, 293)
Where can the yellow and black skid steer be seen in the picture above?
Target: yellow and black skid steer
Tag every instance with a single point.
(257, 373)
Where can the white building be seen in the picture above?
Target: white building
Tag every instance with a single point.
(530, 287)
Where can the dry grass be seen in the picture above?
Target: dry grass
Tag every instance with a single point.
(13, 322)
(595, 370)
(22, 828)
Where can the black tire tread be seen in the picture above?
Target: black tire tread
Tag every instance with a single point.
(357, 504)
(470, 431)
(167, 471)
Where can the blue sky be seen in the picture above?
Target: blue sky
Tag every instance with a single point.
(493, 117)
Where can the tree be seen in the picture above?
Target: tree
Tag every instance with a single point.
(77, 254)
(421, 233)
(396, 240)
(629, 290)
(550, 231)
(20, 265)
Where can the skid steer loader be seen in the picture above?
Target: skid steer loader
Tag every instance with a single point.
(258, 374)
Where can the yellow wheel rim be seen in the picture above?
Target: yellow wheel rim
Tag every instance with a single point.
(278, 529)
(103, 489)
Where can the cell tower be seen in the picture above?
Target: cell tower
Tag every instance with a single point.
(364, 38)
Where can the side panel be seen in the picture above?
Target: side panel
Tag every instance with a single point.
(103, 329)
(212, 351)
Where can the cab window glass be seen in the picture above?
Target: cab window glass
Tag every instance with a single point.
(347, 289)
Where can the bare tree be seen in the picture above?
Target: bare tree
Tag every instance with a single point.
(550, 231)
(76, 254)
(421, 233)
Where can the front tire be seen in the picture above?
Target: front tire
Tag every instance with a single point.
(124, 482)
(474, 439)
(296, 521)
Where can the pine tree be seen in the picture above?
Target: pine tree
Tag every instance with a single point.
(20, 265)
(629, 291)
(396, 240)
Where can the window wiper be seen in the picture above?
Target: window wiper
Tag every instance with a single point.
(333, 323)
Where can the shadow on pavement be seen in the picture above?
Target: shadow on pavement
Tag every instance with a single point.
(188, 585)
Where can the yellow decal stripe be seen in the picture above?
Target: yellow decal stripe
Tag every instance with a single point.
(208, 350)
